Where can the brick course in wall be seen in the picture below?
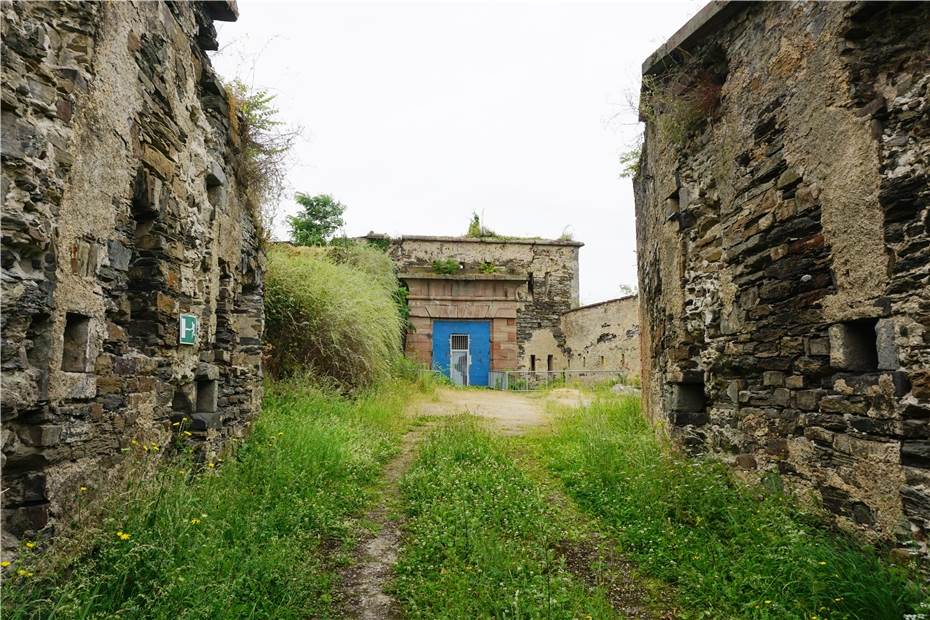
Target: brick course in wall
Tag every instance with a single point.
(783, 226)
(121, 210)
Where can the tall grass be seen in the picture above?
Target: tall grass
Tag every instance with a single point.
(730, 552)
(251, 539)
(480, 537)
(331, 320)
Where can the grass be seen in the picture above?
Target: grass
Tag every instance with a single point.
(254, 538)
(332, 313)
(729, 552)
(480, 536)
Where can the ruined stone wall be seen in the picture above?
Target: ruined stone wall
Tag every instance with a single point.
(550, 286)
(604, 336)
(121, 210)
(784, 251)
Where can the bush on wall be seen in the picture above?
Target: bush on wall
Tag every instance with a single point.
(330, 312)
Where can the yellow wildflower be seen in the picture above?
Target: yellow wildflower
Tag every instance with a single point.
(23, 573)
(123, 535)
(83, 489)
(195, 521)
(134, 442)
(155, 447)
(175, 424)
(211, 465)
(187, 433)
(4, 563)
(822, 563)
(30, 545)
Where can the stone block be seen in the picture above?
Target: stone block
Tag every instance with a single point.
(794, 382)
(916, 453)
(807, 400)
(773, 378)
(885, 344)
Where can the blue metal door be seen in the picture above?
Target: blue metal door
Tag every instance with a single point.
(479, 348)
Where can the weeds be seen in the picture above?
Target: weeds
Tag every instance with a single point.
(728, 551)
(252, 538)
(340, 320)
(446, 266)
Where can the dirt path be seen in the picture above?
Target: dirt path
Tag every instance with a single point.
(364, 582)
(514, 413)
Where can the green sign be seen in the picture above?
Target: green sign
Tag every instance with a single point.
(188, 328)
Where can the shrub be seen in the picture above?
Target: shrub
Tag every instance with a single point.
(335, 319)
(447, 266)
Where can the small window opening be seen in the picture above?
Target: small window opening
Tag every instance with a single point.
(74, 352)
(206, 396)
(549, 363)
(459, 342)
(529, 282)
(853, 345)
(533, 363)
(181, 402)
(602, 361)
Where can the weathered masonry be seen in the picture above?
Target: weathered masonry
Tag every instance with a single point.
(124, 235)
(784, 249)
(604, 336)
(486, 304)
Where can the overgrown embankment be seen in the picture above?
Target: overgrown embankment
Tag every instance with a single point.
(332, 313)
(730, 550)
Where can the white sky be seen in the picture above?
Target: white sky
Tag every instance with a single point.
(417, 114)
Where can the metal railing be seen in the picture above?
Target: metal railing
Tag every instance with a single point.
(528, 380)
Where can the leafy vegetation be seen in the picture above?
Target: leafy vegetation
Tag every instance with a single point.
(334, 319)
(252, 539)
(729, 552)
(481, 537)
(446, 266)
(319, 218)
(265, 143)
(476, 229)
(488, 267)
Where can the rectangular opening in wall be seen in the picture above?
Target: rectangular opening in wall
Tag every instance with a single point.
(74, 349)
(533, 363)
(686, 403)
(602, 361)
(206, 396)
(853, 345)
(529, 283)
(549, 362)
(672, 205)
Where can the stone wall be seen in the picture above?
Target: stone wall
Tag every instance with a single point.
(121, 210)
(604, 336)
(544, 274)
(784, 250)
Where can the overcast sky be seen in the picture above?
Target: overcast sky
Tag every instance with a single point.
(417, 114)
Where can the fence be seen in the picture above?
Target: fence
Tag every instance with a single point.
(527, 380)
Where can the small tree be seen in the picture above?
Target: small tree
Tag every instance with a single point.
(320, 218)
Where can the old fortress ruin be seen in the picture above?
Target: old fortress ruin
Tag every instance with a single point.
(123, 226)
(782, 223)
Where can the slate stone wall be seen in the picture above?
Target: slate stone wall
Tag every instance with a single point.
(121, 210)
(784, 252)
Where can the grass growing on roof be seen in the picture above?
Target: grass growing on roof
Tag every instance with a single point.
(337, 320)
(480, 536)
(250, 539)
(729, 552)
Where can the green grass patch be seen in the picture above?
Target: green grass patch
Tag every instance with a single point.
(731, 551)
(253, 538)
(480, 536)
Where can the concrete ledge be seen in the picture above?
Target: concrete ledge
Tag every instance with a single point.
(427, 275)
(511, 240)
(707, 21)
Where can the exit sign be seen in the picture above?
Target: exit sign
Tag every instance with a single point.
(187, 329)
